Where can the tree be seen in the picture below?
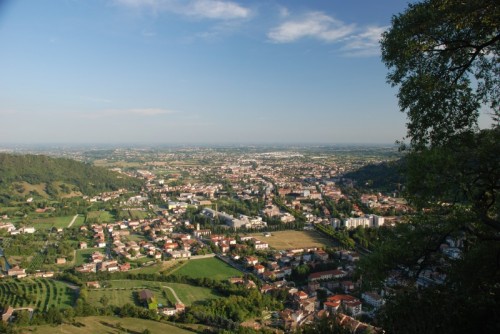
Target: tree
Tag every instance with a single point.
(444, 57)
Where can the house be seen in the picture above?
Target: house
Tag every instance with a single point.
(83, 245)
(259, 269)
(29, 230)
(124, 267)
(321, 255)
(325, 275)
(180, 254)
(251, 261)
(300, 295)
(373, 299)
(148, 299)
(347, 285)
(93, 285)
(60, 260)
(350, 304)
(17, 272)
(7, 314)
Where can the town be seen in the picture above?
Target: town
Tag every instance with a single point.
(281, 221)
(291, 224)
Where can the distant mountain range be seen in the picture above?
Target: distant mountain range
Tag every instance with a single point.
(21, 175)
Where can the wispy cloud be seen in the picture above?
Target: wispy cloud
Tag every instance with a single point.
(354, 41)
(205, 9)
(365, 43)
(217, 9)
(313, 25)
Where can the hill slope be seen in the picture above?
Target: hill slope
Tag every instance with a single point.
(57, 176)
(385, 176)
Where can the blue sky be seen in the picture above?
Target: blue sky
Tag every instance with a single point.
(196, 71)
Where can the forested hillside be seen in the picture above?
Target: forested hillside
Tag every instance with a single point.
(56, 176)
(385, 176)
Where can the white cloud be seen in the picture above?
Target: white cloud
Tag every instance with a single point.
(208, 9)
(314, 25)
(365, 43)
(217, 9)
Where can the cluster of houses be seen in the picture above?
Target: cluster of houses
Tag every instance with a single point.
(304, 303)
(12, 230)
(99, 262)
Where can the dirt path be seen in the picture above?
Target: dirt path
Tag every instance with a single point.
(175, 295)
(73, 220)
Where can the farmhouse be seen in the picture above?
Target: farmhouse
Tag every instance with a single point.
(148, 299)
(17, 272)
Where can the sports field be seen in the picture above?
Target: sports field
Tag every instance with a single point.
(295, 239)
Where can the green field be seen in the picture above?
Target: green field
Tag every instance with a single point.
(79, 221)
(210, 267)
(135, 214)
(40, 293)
(107, 325)
(48, 223)
(121, 292)
(101, 216)
(83, 255)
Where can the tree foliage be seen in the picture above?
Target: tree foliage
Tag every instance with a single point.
(36, 169)
(444, 57)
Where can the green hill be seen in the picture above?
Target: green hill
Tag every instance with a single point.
(45, 176)
(385, 176)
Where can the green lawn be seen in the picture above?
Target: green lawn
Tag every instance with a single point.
(108, 325)
(211, 267)
(101, 216)
(121, 292)
(48, 223)
(137, 214)
(79, 221)
(189, 294)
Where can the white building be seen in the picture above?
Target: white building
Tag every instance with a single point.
(373, 299)
(366, 221)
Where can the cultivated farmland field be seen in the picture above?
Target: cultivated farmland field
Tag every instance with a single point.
(295, 239)
(210, 267)
(40, 293)
(109, 325)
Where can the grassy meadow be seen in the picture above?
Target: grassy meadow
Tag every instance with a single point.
(107, 325)
(121, 292)
(210, 267)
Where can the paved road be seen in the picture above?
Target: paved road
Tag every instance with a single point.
(175, 295)
(73, 220)
(197, 257)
